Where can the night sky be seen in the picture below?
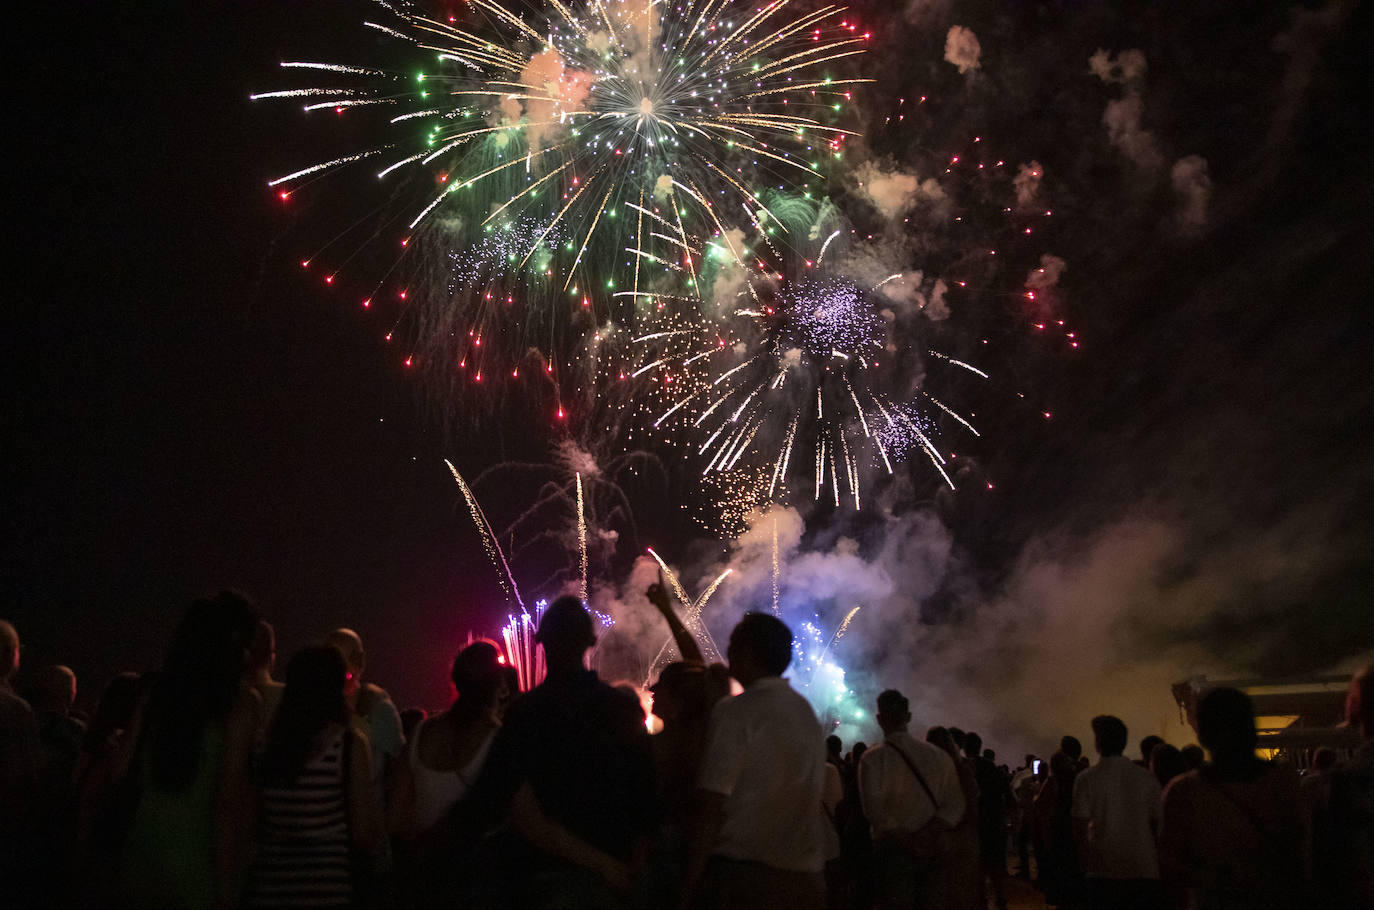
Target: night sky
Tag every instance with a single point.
(190, 411)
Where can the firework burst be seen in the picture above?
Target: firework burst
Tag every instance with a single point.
(802, 388)
(585, 148)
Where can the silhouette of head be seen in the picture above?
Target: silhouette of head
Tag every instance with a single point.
(1226, 724)
(939, 736)
(566, 633)
(680, 692)
(1166, 762)
(262, 650)
(760, 645)
(1323, 759)
(350, 645)
(198, 683)
(973, 745)
(1147, 745)
(1193, 756)
(833, 746)
(1110, 734)
(894, 711)
(1071, 747)
(476, 674)
(9, 650)
(54, 689)
(315, 678)
(958, 736)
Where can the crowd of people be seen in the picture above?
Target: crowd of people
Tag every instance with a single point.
(209, 784)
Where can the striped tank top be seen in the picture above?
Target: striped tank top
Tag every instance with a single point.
(303, 842)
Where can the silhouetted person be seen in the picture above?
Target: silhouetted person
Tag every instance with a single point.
(1345, 846)
(762, 780)
(1193, 756)
(373, 707)
(995, 803)
(962, 889)
(262, 658)
(911, 795)
(1147, 748)
(21, 760)
(1231, 836)
(1025, 783)
(188, 837)
(1116, 814)
(574, 768)
(53, 693)
(443, 758)
(1166, 763)
(315, 781)
(1061, 876)
(683, 695)
(95, 832)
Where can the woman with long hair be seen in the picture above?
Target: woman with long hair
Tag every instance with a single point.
(315, 775)
(192, 744)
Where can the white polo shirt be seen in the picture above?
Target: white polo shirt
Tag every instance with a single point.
(892, 797)
(1121, 802)
(765, 754)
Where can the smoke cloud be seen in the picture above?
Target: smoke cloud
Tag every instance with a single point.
(1027, 183)
(909, 292)
(1123, 115)
(962, 48)
(894, 193)
(563, 89)
(1047, 275)
(1193, 187)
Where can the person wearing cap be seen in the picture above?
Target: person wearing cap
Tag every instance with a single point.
(573, 766)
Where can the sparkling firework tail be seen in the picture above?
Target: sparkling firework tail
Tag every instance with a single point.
(582, 535)
(489, 542)
(691, 616)
(776, 610)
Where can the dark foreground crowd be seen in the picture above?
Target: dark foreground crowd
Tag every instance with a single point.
(207, 784)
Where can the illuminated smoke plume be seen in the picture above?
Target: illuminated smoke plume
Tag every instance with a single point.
(1122, 116)
(894, 193)
(1047, 275)
(962, 48)
(1193, 187)
(1027, 183)
(909, 291)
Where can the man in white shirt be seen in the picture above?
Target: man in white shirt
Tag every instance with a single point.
(761, 784)
(911, 795)
(1116, 814)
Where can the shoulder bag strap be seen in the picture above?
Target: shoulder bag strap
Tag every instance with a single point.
(920, 778)
(1267, 836)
